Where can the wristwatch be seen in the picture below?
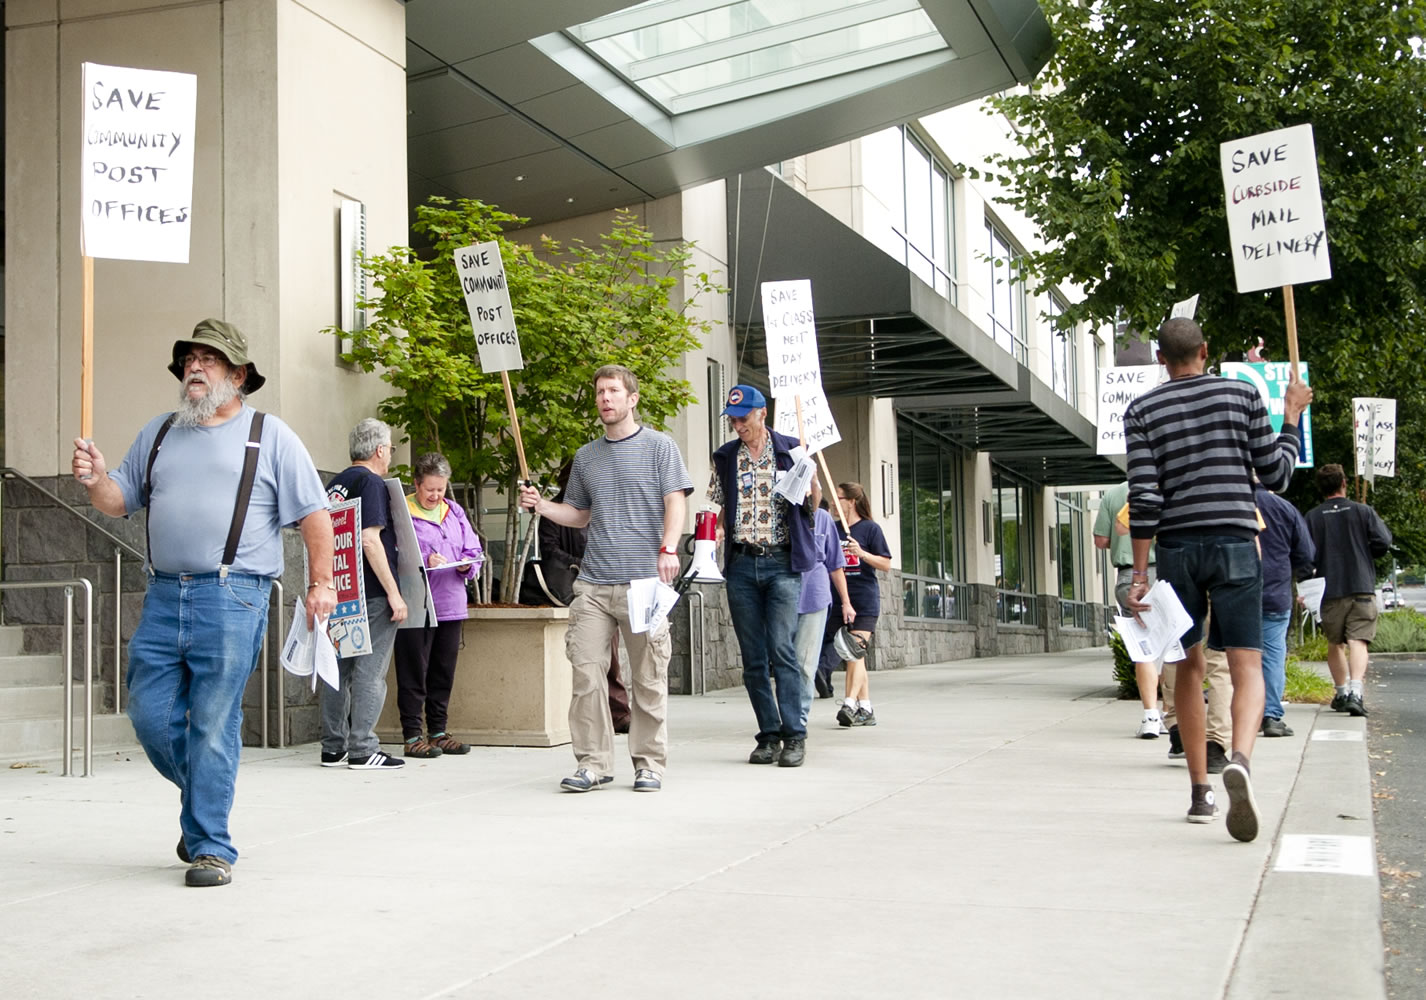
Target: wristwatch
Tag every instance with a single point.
(667, 550)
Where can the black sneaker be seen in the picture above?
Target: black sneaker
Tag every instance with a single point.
(1203, 807)
(1175, 744)
(208, 871)
(864, 717)
(1217, 758)
(375, 762)
(1242, 807)
(767, 752)
(183, 851)
(846, 716)
(585, 780)
(1339, 702)
(794, 751)
(1276, 727)
(1354, 707)
(822, 684)
(333, 759)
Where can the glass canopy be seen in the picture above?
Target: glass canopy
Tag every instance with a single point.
(690, 54)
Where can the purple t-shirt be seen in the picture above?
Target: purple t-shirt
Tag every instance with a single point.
(817, 581)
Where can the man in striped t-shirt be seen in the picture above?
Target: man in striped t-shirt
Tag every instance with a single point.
(630, 489)
(1194, 443)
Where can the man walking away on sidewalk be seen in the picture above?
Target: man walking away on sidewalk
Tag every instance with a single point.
(1348, 536)
(1287, 551)
(1192, 443)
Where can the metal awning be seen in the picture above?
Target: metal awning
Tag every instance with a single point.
(883, 332)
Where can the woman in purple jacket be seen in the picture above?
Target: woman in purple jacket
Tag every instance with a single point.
(426, 657)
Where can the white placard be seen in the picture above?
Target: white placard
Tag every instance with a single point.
(1374, 428)
(487, 299)
(817, 421)
(1331, 855)
(1337, 735)
(1185, 309)
(1311, 592)
(136, 160)
(793, 366)
(1275, 223)
(1118, 387)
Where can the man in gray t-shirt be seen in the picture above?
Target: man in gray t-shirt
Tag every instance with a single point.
(629, 488)
(205, 611)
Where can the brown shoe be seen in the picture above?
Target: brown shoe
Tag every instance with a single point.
(446, 743)
(416, 746)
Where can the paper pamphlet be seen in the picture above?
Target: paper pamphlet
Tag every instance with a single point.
(1157, 630)
(650, 601)
(306, 653)
(1311, 592)
(794, 484)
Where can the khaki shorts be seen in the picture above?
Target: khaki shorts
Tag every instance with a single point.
(1345, 618)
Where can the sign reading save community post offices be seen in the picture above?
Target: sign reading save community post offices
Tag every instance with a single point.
(137, 163)
(487, 298)
(1118, 387)
(794, 369)
(1275, 222)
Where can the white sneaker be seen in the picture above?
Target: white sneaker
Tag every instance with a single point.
(1149, 728)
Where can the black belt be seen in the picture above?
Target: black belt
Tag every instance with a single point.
(758, 549)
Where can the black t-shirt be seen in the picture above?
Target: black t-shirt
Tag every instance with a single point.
(861, 582)
(359, 482)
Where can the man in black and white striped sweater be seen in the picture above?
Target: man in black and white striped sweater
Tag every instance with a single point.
(1194, 443)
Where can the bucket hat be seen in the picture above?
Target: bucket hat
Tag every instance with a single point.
(224, 337)
(848, 645)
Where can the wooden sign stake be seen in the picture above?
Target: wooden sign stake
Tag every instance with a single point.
(515, 426)
(1289, 309)
(86, 353)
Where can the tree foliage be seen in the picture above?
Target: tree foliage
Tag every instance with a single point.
(1119, 171)
(577, 307)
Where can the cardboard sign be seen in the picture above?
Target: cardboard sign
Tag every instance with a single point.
(410, 568)
(482, 281)
(817, 421)
(348, 625)
(1374, 429)
(136, 160)
(1271, 379)
(1118, 387)
(792, 363)
(1275, 222)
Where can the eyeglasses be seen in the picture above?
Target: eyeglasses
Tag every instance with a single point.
(204, 360)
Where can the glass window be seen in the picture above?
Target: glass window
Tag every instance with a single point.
(941, 229)
(1007, 294)
(1014, 534)
(1069, 525)
(908, 209)
(1064, 354)
(932, 533)
(918, 210)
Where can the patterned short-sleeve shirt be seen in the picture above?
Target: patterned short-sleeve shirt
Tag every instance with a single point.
(759, 517)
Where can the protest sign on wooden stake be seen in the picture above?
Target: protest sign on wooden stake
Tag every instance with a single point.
(487, 299)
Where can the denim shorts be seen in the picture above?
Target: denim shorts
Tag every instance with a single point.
(1224, 569)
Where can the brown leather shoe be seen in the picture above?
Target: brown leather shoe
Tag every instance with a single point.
(447, 743)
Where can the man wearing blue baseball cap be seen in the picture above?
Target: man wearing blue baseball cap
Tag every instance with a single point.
(769, 546)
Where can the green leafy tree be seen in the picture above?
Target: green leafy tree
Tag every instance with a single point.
(577, 307)
(1119, 171)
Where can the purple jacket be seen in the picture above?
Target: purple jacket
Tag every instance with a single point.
(454, 539)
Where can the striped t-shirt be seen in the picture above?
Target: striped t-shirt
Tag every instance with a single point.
(1193, 445)
(622, 484)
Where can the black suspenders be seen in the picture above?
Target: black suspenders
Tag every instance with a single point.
(240, 507)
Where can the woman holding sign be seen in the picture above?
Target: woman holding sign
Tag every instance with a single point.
(866, 553)
(426, 657)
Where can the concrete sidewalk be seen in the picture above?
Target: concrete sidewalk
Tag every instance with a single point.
(999, 834)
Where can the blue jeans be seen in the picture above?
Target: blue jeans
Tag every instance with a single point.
(763, 592)
(349, 715)
(1274, 661)
(189, 661)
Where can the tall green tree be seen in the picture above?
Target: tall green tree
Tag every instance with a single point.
(1119, 170)
(625, 300)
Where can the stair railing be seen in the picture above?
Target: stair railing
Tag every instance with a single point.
(67, 727)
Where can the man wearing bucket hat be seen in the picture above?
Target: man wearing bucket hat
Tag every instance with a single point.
(769, 546)
(218, 480)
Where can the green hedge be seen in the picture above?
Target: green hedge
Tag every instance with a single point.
(1400, 631)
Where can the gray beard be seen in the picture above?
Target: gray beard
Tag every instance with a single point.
(196, 412)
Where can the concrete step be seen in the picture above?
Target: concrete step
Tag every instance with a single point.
(43, 738)
(35, 668)
(12, 639)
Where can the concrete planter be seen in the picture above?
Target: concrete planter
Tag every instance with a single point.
(512, 685)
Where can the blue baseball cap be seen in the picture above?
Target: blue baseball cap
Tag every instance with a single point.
(742, 400)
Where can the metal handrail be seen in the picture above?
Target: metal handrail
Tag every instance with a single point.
(10, 473)
(120, 547)
(68, 726)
